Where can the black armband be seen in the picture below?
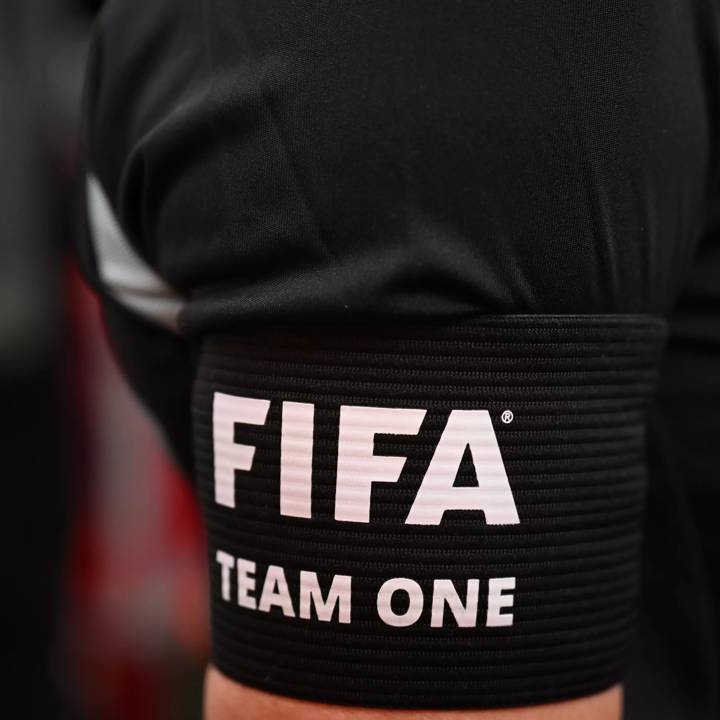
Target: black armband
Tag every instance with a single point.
(423, 517)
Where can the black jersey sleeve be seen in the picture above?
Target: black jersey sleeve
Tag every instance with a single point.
(397, 278)
(140, 307)
(680, 560)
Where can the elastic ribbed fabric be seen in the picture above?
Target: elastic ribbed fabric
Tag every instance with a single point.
(572, 447)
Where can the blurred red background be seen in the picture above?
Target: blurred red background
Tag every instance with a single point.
(104, 568)
(135, 626)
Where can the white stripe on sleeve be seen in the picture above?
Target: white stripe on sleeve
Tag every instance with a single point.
(126, 275)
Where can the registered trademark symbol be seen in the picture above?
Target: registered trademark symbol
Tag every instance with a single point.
(507, 417)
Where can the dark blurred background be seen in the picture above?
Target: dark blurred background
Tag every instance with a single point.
(103, 571)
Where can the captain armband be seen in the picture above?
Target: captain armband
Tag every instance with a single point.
(426, 517)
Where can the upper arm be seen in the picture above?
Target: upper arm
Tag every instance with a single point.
(424, 273)
(223, 698)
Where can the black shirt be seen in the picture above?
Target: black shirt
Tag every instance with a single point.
(354, 162)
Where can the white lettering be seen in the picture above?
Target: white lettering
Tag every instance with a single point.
(296, 453)
(444, 592)
(357, 467)
(415, 602)
(497, 600)
(246, 583)
(275, 592)
(339, 594)
(229, 410)
(226, 562)
(473, 429)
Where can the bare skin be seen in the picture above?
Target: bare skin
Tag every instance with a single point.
(228, 700)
